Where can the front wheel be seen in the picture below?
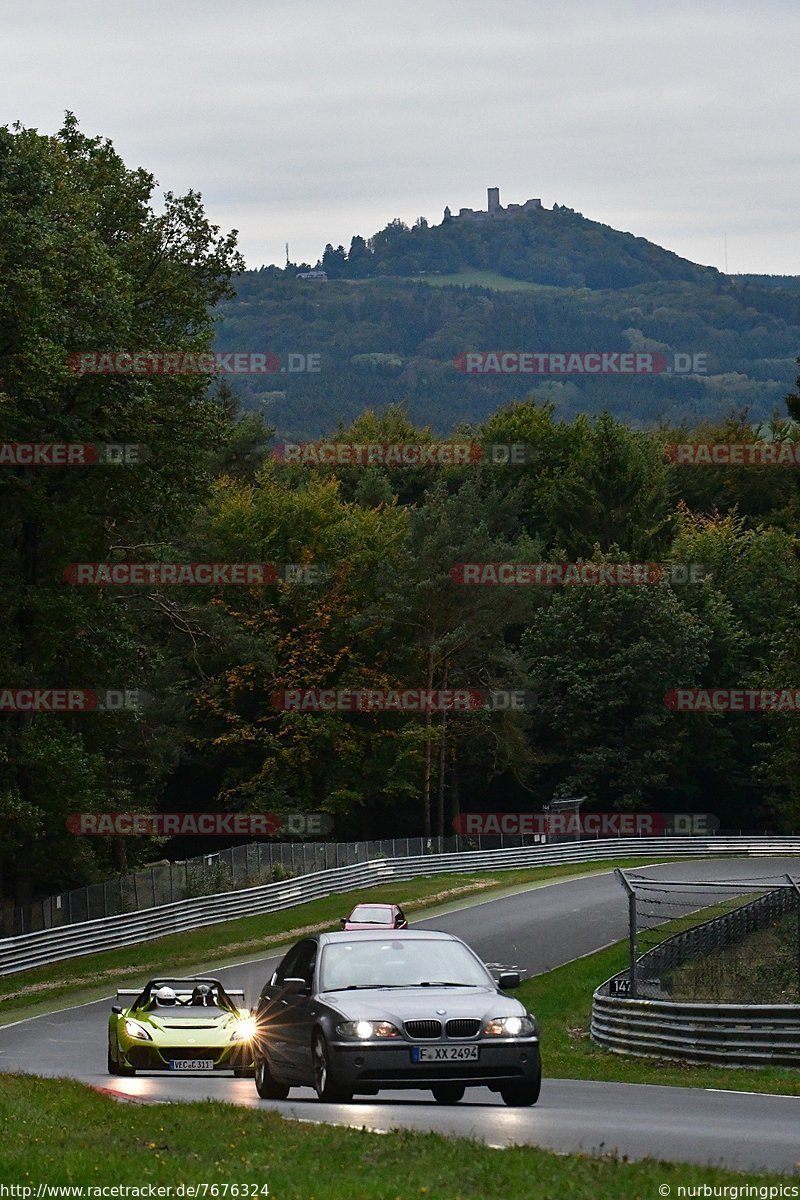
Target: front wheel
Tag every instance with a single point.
(448, 1093)
(326, 1089)
(522, 1095)
(267, 1086)
(115, 1069)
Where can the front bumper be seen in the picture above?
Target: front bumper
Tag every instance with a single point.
(150, 1056)
(370, 1066)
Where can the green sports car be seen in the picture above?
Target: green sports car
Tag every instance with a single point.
(184, 1025)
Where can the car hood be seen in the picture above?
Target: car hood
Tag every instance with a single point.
(185, 1023)
(422, 1003)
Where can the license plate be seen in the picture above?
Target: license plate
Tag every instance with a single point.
(444, 1054)
(191, 1064)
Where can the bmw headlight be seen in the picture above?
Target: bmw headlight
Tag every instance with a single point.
(509, 1027)
(135, 1030)
(364, 1031)
(245, 1030)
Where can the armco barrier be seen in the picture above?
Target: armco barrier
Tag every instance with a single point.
(70, 941)
(741, 1035)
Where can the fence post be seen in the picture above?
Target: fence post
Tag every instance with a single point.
(796, 887)
(621, 877)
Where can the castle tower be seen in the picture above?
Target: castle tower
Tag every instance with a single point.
(494, 200)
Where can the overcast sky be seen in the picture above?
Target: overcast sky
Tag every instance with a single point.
(306, 121)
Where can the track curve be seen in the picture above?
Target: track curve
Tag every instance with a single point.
(536, 930)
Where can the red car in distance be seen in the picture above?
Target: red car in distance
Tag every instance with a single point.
(375, 916)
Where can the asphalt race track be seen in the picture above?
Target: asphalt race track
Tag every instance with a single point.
(534, 930)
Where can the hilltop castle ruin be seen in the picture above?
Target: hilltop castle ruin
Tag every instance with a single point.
(494, 209)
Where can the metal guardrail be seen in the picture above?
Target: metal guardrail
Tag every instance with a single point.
(126, 929)
(744, 1035)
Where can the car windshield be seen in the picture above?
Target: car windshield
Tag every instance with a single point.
(196, 1000)
(400, 963)
(371, 914)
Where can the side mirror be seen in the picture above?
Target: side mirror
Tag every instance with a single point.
(342, 921)
(295, 987)
(509, 980)
(116, 1008)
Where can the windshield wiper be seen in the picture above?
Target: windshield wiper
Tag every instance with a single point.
(442, 983)
(367, 987)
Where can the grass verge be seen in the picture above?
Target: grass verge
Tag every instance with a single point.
(562, 1001)
(60, 1132)
(29, 993)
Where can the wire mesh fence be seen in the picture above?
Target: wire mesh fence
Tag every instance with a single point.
(728, 941)
(225, 870)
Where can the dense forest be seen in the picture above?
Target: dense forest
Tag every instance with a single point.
(88, 265)
(394, 340)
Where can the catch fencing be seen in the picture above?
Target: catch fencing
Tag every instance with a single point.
(229, 869)
(679, 931)
(677, 999)
(232, 868)
(54, 945)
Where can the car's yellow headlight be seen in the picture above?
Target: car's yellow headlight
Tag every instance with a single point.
(509, 1027)
(367, 1030)
(245, 1030)
(135, 1030)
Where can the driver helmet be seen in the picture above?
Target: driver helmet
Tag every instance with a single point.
(201, 994)
(166, 996)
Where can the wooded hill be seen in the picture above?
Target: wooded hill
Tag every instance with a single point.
(399, 308)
